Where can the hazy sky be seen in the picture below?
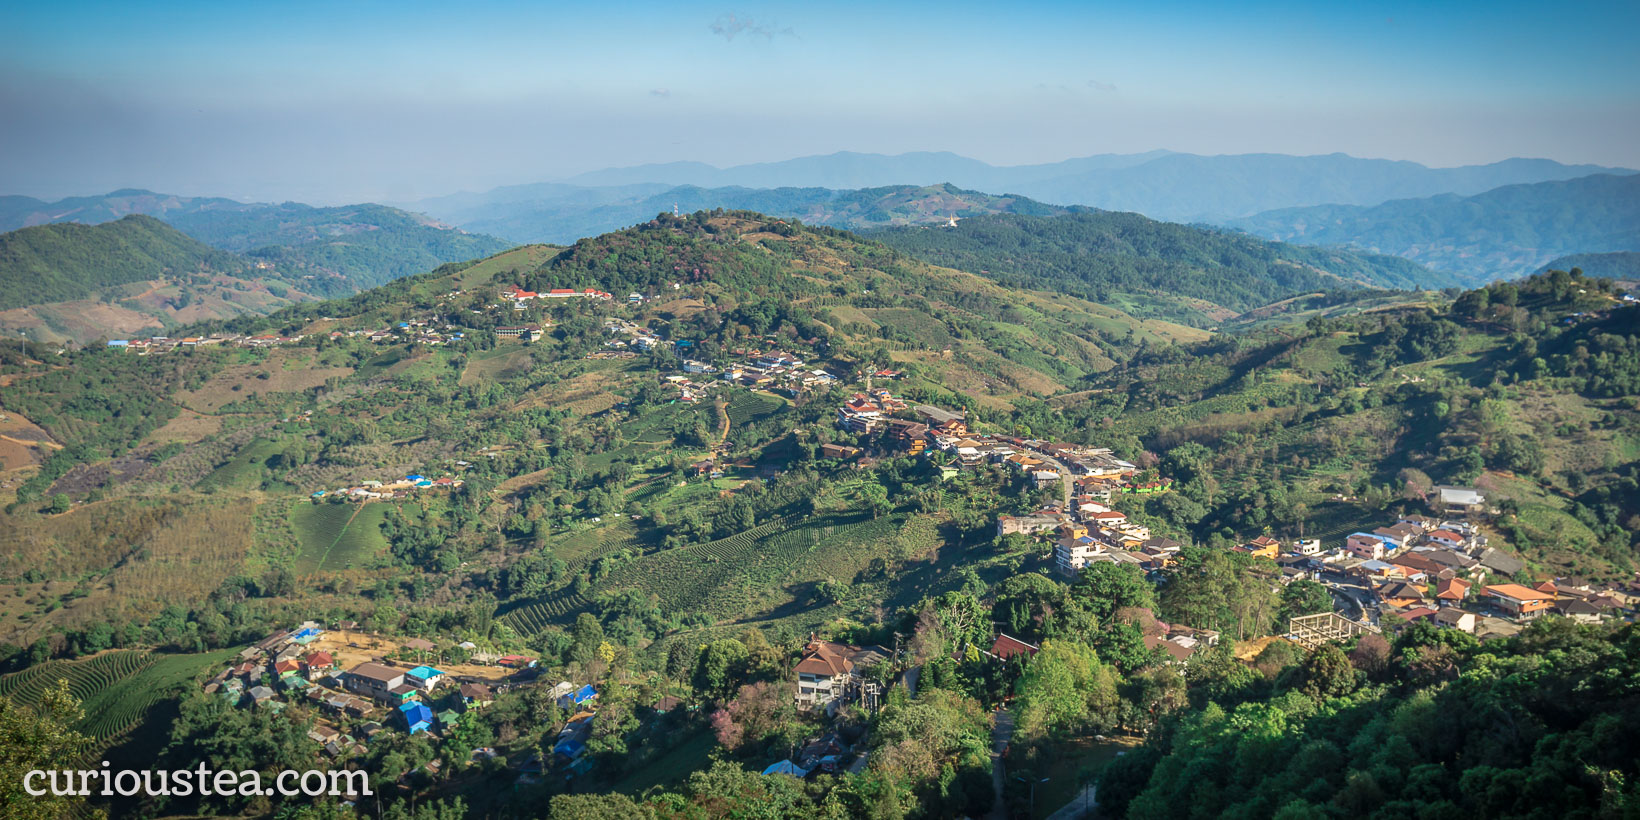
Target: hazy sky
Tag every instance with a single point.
(350, 100)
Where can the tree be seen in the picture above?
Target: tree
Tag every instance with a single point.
(1305, 598)
(585, 638)
(936, 747)
(876, 497)
(962, 617)
(759, 711)
(613, 806)
(1276, 657)
(1371, 655)
(1063, 688)
(33, 740)
(1327, 673)
(1105, 588)
(1218, 590)
(721, 664)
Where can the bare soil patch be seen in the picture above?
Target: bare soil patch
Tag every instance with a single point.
(271, 376)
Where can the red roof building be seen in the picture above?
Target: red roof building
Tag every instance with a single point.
(1006, 647)
(1452, 590)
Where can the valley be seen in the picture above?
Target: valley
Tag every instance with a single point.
(912, 411)
(719, 434)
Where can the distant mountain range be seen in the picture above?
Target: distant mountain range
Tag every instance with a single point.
(1507, 232)
(563, 214)
(347, 248)
(1277, 196)
(131, 261)
(1158, 184)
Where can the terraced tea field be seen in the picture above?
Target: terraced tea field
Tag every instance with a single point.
(745, 573)
(559, 607)
(750, 571)
(117, 690)
(745, 406)
(337, 536)
(645, 435)
(578, 549)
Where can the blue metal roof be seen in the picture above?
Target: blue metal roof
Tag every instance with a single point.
(416, 712)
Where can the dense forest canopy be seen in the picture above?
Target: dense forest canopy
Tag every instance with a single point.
(66, 261)
(1103, 255)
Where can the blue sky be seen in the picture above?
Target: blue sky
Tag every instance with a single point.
(344, 101)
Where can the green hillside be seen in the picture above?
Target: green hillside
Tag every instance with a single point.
(330, 251)
(1524, 390)
(1196, 275)
(343, 249)
(67, 261)
(840, 294)
(592, 498)
(1620, 265)
(210, 259)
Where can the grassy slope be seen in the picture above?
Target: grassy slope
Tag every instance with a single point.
(1231, 411)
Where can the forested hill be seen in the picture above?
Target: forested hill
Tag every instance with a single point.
(1184, 273)
(756, 273)
(345, 249)
(365, 245)
(1502, 233)
(63, 262)
(1619, 265)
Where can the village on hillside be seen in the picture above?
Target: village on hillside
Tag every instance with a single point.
(353, 685)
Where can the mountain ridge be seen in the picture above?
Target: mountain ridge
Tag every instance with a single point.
(347, 247)
(1184, 273)
(71, 282)
(1506, 232)
(1160, 184)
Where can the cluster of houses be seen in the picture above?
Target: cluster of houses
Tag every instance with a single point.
(1437, 569)
(355, 704)
(1443, 570)
(630, 335)
(398, 488)
(689, 390)
(285, 669)
(770, 370)
(1419, 567)
(165, 344)
(570, 746)
(826, 753)
(519, 297)
(1089, 471)
(418, 331)
(1090, 532)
